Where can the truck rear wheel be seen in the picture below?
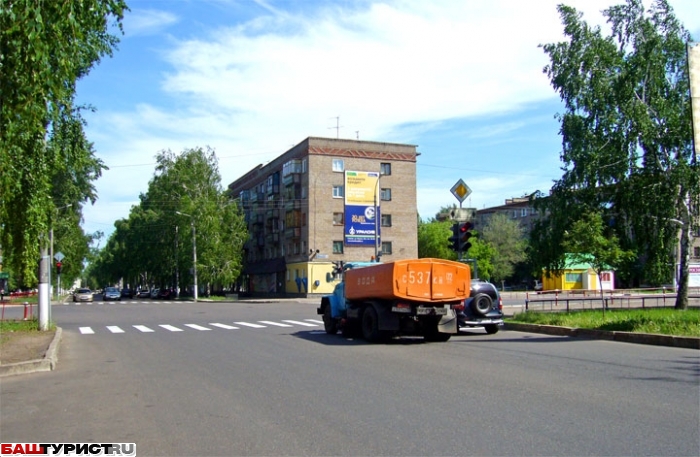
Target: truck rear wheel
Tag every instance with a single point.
(370, 325)
(329, 324)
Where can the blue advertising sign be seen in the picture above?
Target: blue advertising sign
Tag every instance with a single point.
(361, 225)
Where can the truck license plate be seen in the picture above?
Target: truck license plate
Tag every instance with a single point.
(421, 311)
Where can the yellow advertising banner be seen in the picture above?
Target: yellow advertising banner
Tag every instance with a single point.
(361, 187)
(694, 76)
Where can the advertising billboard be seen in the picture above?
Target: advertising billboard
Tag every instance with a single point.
(361, 208)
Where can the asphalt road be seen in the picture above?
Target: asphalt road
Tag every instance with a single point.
(149, 373)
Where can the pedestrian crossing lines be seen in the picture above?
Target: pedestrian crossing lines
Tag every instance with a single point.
(115, 329)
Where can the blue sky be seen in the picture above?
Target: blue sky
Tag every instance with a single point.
(460, 79)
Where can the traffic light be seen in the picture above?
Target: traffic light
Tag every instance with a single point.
(58, 267)
(464, 233)
(454, 239)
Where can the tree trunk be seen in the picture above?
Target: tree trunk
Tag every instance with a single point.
(684, 271)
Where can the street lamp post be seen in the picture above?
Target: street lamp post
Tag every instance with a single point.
(377, 252)
(194, 250)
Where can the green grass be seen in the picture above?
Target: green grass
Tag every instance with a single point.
(664, 321)
(18, 325)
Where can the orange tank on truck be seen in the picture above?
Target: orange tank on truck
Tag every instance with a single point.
(423, 280)
(412, 297)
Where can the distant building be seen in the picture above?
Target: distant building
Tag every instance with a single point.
(519, 209)
(522, 210)
(324, 201)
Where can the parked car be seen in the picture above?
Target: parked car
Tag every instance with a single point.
(154, 293)
(483, 308)
(82, 294)
(127, 293)
(166, 294)
(144, 293)
(111, 294)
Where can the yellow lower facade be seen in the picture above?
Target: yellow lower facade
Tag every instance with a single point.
(310, 277)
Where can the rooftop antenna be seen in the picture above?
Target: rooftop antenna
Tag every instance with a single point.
(337, 126)
(357, 134)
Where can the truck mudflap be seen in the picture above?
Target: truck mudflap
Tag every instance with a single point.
(448, 322)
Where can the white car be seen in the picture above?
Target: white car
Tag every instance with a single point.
(154, 293)
(83, 294)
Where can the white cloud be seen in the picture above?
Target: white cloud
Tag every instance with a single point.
(140, 22)
(256, 88)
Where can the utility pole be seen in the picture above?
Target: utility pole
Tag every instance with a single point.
(44, 299)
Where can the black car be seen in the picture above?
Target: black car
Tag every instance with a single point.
(127, 293)
(483, 308)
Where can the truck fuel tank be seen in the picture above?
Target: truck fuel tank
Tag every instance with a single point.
(426, 280)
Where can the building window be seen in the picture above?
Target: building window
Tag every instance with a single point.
(338, 165)
(574, 278)
(385, 169)
(337, 247)
(386, 220)
(523, 212)
(337, 218)
(386, 247)
(696, 249)
(386, 194)
(338, 191)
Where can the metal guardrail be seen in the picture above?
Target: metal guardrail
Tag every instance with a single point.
(568, 302)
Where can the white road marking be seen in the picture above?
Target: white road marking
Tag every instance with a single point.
(143, 328)
(196, 327)
(248, 324)
(171, 328)
(274, 323)
(305, 324)
(226, 326)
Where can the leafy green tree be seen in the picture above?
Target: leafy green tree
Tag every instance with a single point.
(432, 240)
(507, 238)
(626, 136)
(480, 256)
(589, 241)
(154, 246)
(45, 47)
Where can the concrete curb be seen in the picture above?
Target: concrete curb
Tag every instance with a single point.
(48, 363)
(687, 342)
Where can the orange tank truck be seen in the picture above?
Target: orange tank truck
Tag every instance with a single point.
(405, 297)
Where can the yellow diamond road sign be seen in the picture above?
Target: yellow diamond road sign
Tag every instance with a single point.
(460, 190)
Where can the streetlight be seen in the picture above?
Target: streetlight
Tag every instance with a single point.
(194, 250)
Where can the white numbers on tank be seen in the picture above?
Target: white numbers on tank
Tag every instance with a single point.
(424, 277)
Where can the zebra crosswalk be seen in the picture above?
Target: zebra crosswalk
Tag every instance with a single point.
(115, 329)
